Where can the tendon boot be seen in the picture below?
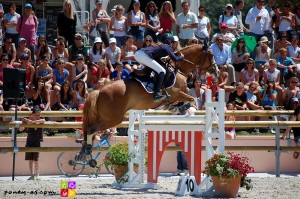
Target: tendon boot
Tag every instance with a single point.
(157, 86)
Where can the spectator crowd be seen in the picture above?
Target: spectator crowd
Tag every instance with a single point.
(257, 74)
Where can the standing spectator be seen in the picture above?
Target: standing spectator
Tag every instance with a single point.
(66, 23)
(127, 54)
(119, 26)
(222, 55)
(112, 15)
(9, 49)
(10, 23)
(273, 10)
(286, 21)
(80, 94)
(136, 20)
(95, 53)
(34, 139)
(186, 22)
(2, 27)
(204, 28)
(152, 21)
(296, 130)
(41, 48)
(166, 18)
(27, 26)
(230, 19)
(101, 20)
(80, 70)
(227, 36)
(259, 20)
(239, 5)
(119, 73)
(112, 54)
(240, 55)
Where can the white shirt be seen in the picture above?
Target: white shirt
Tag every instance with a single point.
(95, 58)
(189, 18)
(11, 18)
(231, 20)
(225, 36)
(201, 31)
(221, 57)
(293, 52)
(260, 26)
(262, 56)
(113, 54)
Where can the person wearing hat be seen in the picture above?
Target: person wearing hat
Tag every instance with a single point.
(227, 35)
(119, 26)
(10, 23)
(34, 139)
(262, 54)
(78, 48)
(101, 20)
(112, 54)
(112, 15)
(228, 18)
(258, 20)
(66, 23)
(186, 22)
(80, 70)
(22, 49)
(151, 56)
(95, 53)
(27, 26)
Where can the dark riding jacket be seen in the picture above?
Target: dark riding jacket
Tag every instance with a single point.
(157, 52)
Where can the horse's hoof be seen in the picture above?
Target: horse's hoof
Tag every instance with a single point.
(88, 149)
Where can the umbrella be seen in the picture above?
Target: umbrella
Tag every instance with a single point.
(250, 42)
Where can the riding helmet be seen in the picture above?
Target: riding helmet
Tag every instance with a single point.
(167, 38)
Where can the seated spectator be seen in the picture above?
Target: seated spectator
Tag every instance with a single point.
(127, 54)
(249, 74)
(112, 54)
(60, 51)
(223, 79)
(41, 95)
(4, 64)
(64, 98)
(292, 104)
(262, 54)
(294, 51)
(45, 72)
(268, 96)
(77, 48)
(285, 64)
(192, 41)
(30, 73)
(60, 75)
(97, 74)
(290, 91)
(222, 55)
(148, 41)
(296, 131)
(281, 43)
(80, 94)
(230, 131)
(203, 76)
(120, 73)
(214, 89)
(95, 53)
(22, 50)
(238, 98)
(252, 101)
(240, 55)
(198, 93)
(228, 37)
(41, 48)
(80, 70)
(176, 44)
(9, 50)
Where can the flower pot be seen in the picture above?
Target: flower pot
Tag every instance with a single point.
(119, 172)
(227, 187)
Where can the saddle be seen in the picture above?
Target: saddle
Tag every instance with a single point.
(146, 77)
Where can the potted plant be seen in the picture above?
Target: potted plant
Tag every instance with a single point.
(118, 158)
(229, 172)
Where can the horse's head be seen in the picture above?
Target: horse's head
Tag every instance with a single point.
(197, 56)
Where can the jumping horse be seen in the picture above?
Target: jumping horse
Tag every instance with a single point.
(105, 108)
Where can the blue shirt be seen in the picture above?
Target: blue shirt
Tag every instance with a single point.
(125, 74)
(156, 52)
(60, 78)
(267, 100)
(221, 57)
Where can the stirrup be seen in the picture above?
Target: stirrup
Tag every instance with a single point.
(158, 97)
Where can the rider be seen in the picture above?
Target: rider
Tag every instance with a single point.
(150, 57)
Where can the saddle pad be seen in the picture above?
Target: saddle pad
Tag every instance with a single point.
(148, 83)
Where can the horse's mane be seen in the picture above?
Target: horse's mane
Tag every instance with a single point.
(190, 46)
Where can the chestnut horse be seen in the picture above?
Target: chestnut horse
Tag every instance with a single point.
(105, 108)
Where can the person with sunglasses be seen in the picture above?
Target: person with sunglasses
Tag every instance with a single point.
(80, 70)
(240, 55)
(44, 71)
(78, 48)
(119, 26)
(204, 28)
(4, 64)
(8, 49)
(60, 51)
(20, 51)
(229, 18)
(60, 74)
(152, 21)
(151, 56)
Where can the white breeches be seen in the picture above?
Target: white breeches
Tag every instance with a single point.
(143, 58)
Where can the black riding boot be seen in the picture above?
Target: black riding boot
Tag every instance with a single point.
(157, 96)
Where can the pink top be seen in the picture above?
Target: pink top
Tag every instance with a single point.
(1, 71)
(29, 28)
